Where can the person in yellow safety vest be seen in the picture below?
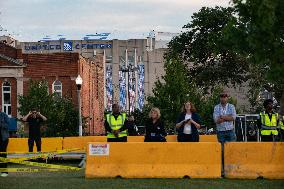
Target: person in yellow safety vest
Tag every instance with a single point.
(281, 124)
(115, 125)
(268, 122)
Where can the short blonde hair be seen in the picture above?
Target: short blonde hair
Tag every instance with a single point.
(157, 110)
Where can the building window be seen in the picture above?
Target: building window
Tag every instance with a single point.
(6, 98)
(57, 88)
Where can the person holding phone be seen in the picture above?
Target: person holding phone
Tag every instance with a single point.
(188, 124)
(34, 119)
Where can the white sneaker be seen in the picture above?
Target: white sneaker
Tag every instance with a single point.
(4, 174)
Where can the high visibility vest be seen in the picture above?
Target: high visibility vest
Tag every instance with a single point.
(268, 127)
(116, 124)
(281, 123)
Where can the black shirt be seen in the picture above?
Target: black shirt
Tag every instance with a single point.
(155, 132)
(34, 126)
(131, 127)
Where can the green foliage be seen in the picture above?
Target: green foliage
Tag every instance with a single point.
(37, 97)
(203, 46)
(258, 34)
(63, 120)
(206, 107)
(62, 116)
(175, 89)
(141, 116)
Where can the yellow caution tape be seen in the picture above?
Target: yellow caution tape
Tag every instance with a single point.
(46, 167)
(47, 154)
(57, 151)
(41, 154)
(32, 170)
(50, 166)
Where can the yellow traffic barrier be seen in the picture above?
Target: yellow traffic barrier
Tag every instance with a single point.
(47, 144)
(18, 145)
(171, 138)
(135, 139)
(251, 160)
(59, 143)
(154, 160)
(208, 138)
(202, 138)
(81, 142)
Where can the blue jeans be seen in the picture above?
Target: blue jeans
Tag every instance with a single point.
(226, 136)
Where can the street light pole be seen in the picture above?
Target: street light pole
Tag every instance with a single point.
(79, 82)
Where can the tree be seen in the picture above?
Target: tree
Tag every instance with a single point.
(203, 47)
(37, 97)
(258, 34)
(62, 116)
(172, 91)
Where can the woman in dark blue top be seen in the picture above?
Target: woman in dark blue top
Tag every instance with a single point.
(155, 129)
(188, 124)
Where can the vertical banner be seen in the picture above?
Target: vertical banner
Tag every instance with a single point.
(122, 90)
(132, 87)
(141, 78)
(109, 87)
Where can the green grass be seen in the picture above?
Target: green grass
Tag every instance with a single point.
(76, 180)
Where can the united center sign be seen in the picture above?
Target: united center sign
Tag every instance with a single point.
(65, 46)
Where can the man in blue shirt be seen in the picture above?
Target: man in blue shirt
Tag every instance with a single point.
(224, 116)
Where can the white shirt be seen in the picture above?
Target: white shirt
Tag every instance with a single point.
(187, 126)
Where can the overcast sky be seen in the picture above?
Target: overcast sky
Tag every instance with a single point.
(31, 20)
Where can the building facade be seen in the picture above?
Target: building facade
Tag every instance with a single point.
(60, 71)
(130, 66)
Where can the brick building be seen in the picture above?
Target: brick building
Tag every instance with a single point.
(60, 71)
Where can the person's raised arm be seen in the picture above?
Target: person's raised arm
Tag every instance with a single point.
(25, 118)
(42, 116)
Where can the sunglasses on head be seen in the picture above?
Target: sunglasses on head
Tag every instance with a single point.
(223, 95)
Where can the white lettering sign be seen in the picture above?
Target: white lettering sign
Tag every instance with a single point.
(99, 149)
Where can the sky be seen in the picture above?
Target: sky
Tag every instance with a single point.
(32, 20)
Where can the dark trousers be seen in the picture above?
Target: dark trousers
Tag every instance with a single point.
(281, 135)
(268, 138)
(31, 144)
(185, 138)
(3, 148)
(120, 139)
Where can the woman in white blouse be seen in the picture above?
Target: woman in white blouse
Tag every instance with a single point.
(188, 124)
